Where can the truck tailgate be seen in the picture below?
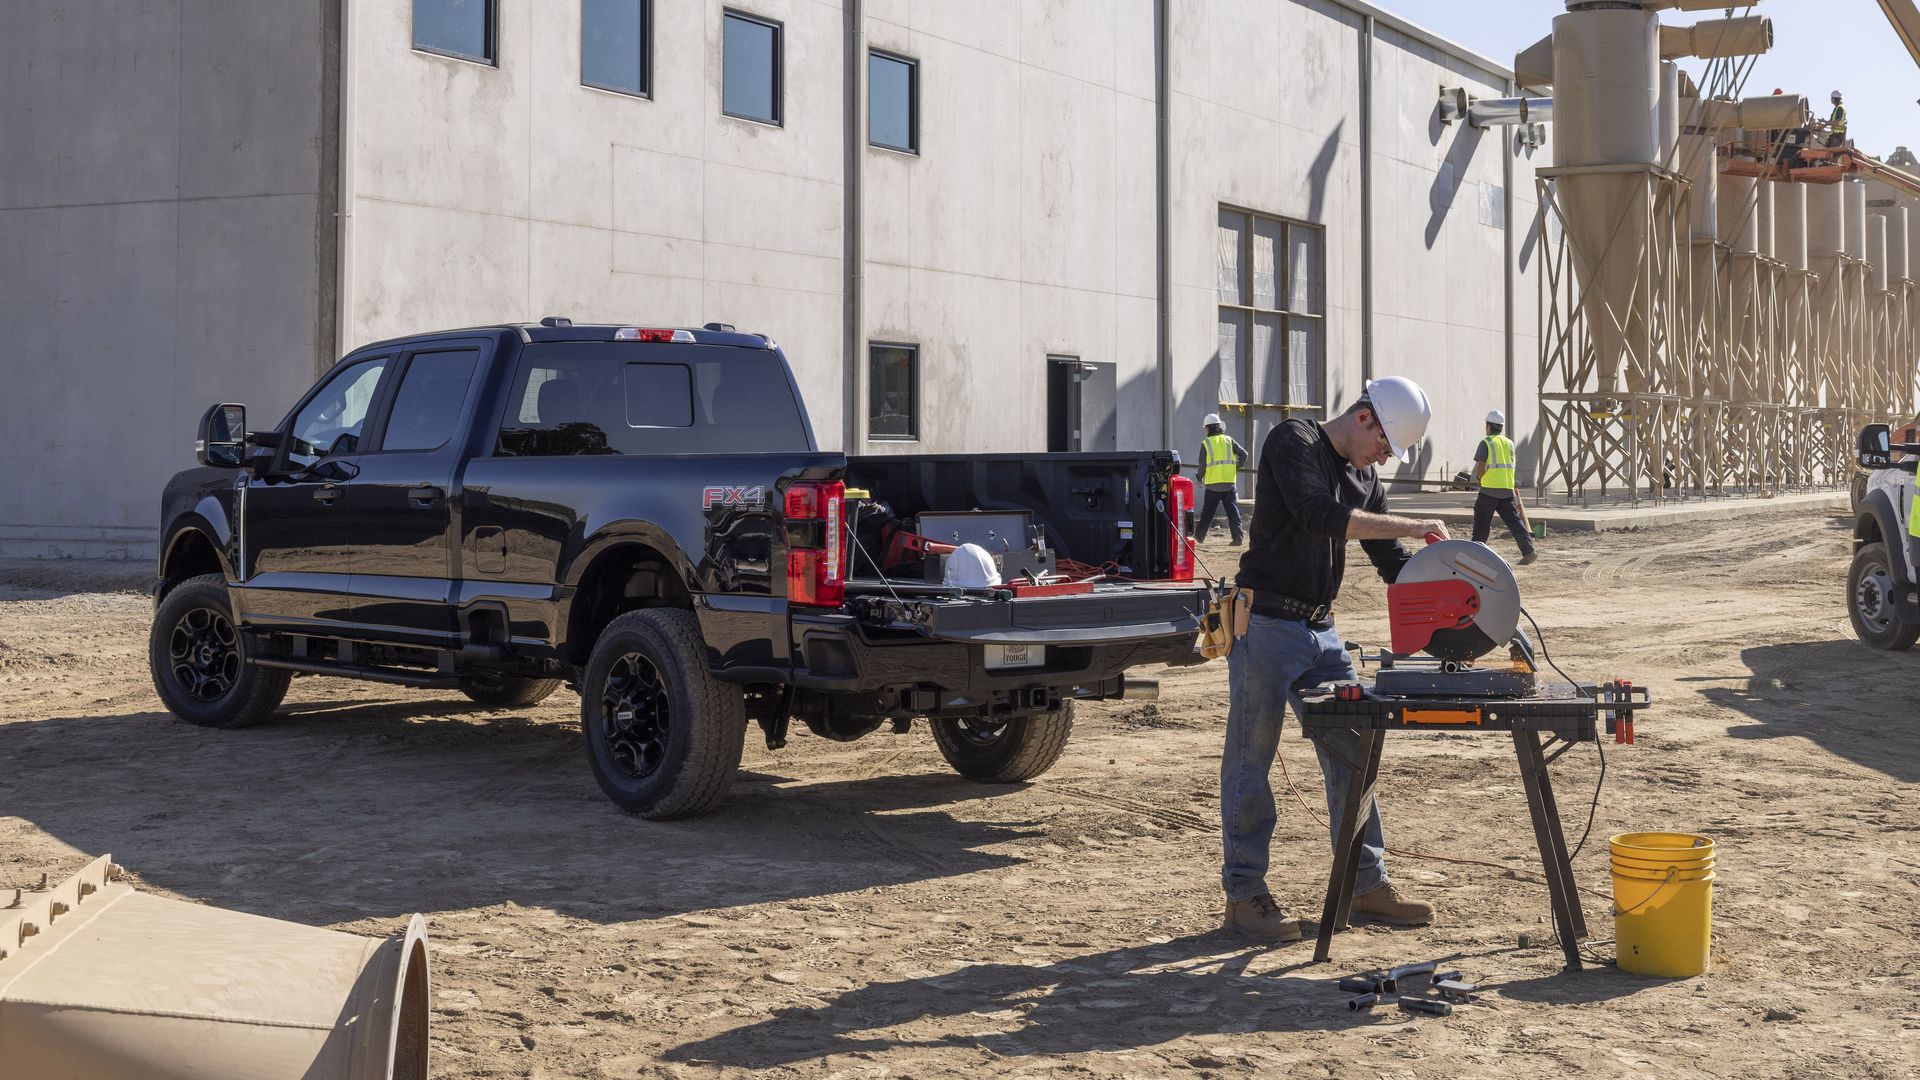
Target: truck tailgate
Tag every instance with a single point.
(1109, 615)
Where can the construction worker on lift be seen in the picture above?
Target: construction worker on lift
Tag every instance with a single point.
(1493, 468)
(1317, 489)
(1837, 122)
(1221, 459)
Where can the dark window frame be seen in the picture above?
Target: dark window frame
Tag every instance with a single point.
(912, 148)
(492, 57)
(1315, 310)
(779, 29)
(646, 56)
(913, 391)
(376, 435)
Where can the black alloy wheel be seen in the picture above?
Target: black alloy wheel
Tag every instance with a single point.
(636, 716)
(198, 660)
(205, 653)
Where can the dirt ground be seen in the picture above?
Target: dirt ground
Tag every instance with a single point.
(855, 910)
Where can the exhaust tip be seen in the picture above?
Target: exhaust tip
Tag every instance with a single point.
(1139, 689)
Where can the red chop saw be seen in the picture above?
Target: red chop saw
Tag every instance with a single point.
(1455, 601)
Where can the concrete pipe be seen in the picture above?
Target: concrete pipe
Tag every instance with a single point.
(98, 980)
(1748, 35)
(1771, 112)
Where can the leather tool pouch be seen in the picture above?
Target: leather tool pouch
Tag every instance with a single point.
(1224, 623)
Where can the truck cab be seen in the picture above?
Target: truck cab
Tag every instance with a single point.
(642, 514)
(1883, 583)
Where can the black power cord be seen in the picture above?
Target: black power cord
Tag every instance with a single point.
(1593, 810)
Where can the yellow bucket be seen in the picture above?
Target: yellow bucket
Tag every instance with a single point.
(1662, 903)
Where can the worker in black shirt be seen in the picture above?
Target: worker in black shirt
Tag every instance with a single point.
(1316, 489)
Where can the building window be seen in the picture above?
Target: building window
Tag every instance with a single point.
(462, 28)
(893, 391)
(1272, 358)
(893, 102)
(616, 45)
(750, 68)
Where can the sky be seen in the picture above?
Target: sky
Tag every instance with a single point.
(1818, 46)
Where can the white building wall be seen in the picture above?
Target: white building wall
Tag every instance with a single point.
(486, 194)
(1025, 225)
(164, 233)
(167, 198)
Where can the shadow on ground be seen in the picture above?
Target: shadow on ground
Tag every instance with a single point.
(1854, 702)
(341, 811)
(1126, 998)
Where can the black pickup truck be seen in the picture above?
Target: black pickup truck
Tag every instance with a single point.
(642, 513)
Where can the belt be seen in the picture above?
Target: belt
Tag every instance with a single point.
(1277, 606)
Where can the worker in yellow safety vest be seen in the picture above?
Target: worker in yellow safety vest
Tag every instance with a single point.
(1493, 468)
(1221, 459)
(1837, 122)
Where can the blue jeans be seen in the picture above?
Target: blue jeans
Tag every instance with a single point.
(1266, 669)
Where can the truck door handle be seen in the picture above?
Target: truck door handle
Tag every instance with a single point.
(327, 494)
(425, 495)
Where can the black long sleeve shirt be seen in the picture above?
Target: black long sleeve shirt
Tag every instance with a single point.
(1303, 497)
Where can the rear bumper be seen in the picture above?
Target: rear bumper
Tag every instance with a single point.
(836, 653)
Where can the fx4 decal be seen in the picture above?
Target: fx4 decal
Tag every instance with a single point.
(752, 496)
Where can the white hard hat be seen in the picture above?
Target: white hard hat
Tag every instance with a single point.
(1213, 419)
(1403, 411)
(1836, 95)
(970, 567)
(1497, 417)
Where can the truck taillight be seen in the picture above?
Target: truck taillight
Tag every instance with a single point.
(1179, 505)
(815, 574)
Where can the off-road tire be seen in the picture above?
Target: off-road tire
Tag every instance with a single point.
(196, 614)
(692, 752)
(1021, 749)
(508, 692)
(1870, 587)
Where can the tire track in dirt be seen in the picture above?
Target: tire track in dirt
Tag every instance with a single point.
(1179, 819)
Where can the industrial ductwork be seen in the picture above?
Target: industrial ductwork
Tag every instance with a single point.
(100, 981)
(1711, 39)
(1771, 112)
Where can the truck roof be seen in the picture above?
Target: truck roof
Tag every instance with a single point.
(560, 329)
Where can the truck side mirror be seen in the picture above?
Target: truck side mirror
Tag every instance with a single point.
(223, 431)
(1875, 451)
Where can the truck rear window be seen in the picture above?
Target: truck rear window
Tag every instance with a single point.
(650, 398)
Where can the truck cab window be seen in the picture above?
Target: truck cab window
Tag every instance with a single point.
(330, 424)
(427, 407)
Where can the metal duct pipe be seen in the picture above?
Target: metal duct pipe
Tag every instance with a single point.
(1754, 113)
(1763, 215)
(1739, 226)
(1748, 35)
(1669, 112)
(1607, 87)
(1790, 224)
(1489, 112)
(1695, 160)
(1533, 65)
(1876, 228)
(1854, 230)
(1686, 5)
(1826, 219)
(1913, 240)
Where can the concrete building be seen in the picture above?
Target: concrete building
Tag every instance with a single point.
(989, 226)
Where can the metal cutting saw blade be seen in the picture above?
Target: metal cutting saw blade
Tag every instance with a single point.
(1490, 577)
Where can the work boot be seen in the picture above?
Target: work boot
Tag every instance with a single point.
(1237, 541)
(1385, 904)
(1529, 558)
(1262, 919)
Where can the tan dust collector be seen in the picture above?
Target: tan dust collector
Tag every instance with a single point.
(100, 981)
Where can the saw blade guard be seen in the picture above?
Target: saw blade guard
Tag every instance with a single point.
(1455, 599)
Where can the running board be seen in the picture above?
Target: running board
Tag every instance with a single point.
(398, 676)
